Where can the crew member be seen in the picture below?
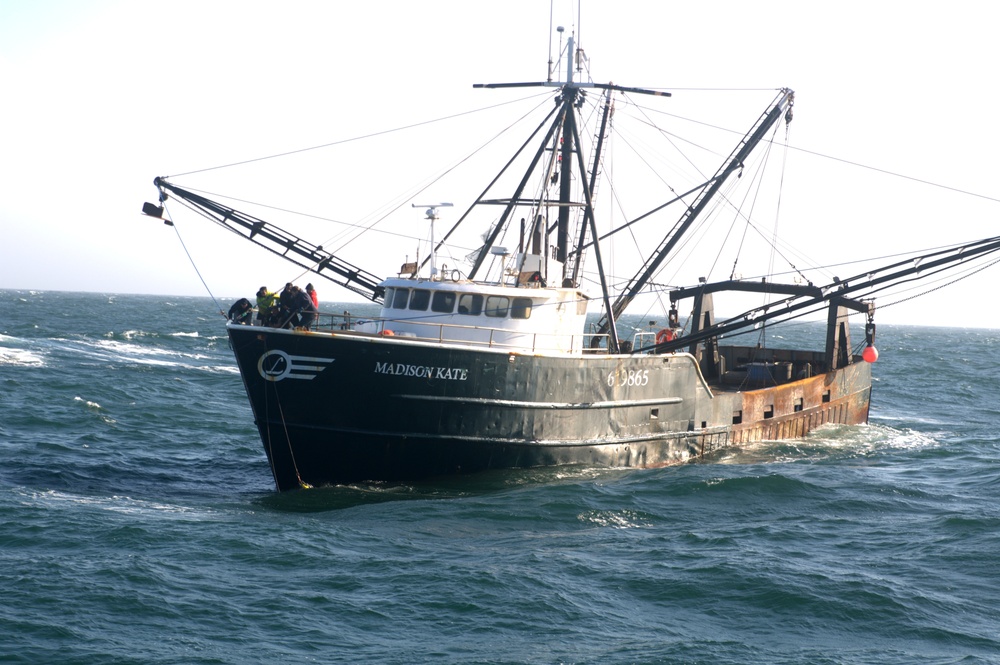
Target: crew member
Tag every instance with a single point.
(241, 312)
(266, 306)
(287, 318)
(303, 308)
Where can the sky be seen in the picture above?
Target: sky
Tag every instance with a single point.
(100, 97)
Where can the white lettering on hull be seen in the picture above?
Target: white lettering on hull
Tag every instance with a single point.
(422, 371)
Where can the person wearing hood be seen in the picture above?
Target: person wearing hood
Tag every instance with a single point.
(287, 317)
(303, 307)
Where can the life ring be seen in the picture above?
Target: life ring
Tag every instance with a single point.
(387, 333)
(665, 335)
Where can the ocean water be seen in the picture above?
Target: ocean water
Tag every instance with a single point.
(138, 523)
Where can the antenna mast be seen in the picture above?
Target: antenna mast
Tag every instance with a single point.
(548, 75)
(432, 216)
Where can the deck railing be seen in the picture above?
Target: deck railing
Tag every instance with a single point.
(453, 333)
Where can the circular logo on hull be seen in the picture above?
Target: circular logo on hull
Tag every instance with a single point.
(274, 365)
(277, 365)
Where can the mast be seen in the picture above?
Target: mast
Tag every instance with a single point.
(510, 205)
(565, 160)
(565, 129)
(580, 245)
(588, 219)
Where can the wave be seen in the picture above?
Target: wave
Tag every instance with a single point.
(88, 403)
(184, 351)
(222, 369)
(616, 519)
(113, 503)
(141, 354)
(21, 358)
(96, 408)
(830, 442)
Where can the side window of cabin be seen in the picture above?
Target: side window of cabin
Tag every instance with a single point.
(521, 309)
(420, 299)
(387, 298)
(496, 306)
(399, 298)
(443, 301)
(471, 304)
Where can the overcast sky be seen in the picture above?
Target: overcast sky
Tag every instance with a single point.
(100, 97)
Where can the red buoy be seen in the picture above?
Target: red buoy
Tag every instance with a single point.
(870, 354)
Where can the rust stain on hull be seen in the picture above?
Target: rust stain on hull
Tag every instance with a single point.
(792, 410)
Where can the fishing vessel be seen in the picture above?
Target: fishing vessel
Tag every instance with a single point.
(494, 363)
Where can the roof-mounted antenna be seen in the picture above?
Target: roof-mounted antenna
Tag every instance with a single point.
(570, 57)
(554, 66)
(432, 215)
(578, 33)
(551, 9)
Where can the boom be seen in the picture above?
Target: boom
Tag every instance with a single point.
(782, 106)
(276, 240)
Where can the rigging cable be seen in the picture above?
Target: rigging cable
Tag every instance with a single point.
(823, 155)
(350, 140)
(404, 198)
(777, 213)
(191, 259)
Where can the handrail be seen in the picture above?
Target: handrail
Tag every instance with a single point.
(488, 337)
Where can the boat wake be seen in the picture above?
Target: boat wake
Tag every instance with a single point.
(830, 442)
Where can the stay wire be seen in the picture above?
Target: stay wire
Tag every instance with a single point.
(191, 259)
(349, 140)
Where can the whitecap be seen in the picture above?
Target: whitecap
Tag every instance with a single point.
(124, 348)
(221, 369)
(88, 403)
(141, 354)
(20, 358)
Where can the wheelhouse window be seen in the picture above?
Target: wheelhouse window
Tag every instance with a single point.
(497, 306)
(443, 301)
(471, 304)
(399, 298)
(420, 299)
(387, 298)
(521, 309)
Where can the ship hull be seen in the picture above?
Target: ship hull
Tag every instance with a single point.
(335, 408)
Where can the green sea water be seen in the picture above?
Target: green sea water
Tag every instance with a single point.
(139, 524)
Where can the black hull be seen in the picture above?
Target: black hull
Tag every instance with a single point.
(342, 408)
